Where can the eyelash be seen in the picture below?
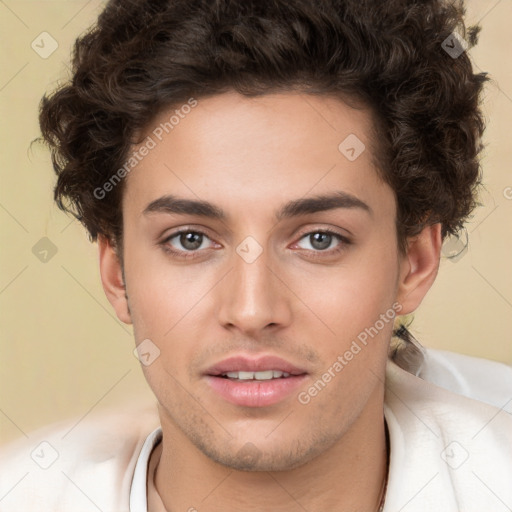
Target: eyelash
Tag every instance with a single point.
(317, 254)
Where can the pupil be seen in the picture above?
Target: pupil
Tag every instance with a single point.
(320, 240)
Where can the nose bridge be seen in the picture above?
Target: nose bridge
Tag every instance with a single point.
(252, 297)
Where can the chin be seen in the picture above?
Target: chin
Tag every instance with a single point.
(253, 456)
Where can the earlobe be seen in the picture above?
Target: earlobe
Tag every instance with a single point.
(419, 267)
(112, 279)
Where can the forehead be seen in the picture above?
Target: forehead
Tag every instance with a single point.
(261, 150)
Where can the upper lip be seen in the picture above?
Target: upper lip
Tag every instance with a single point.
(253, 364)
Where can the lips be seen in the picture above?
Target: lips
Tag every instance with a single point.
(254, 382)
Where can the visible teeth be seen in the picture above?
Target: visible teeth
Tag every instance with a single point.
(246, 375)
(264, 375)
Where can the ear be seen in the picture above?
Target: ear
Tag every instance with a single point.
(418, 267)
(112, 279)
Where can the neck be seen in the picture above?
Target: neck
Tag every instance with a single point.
(350, 475)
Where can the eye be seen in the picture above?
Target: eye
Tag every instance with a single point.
(322, 241)
(185, 241)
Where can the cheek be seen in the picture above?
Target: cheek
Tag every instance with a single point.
(357, 305)
(159, 293)
(344, 300)
(166, 307)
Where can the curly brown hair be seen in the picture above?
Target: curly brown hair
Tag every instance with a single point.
(143, 56)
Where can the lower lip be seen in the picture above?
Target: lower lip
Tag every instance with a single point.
(255, 393)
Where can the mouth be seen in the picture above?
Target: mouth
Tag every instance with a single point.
(262, 375)
(254, 368)
(250, 382)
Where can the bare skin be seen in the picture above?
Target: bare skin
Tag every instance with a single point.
(298, 299)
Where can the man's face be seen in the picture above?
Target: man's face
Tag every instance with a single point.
(249, 286)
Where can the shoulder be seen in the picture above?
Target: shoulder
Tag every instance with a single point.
(81, 464)
(474, 377)
(448, 451)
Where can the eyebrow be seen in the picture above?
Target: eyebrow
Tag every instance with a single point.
(304, 206)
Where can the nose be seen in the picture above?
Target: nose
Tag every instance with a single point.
(253, 298)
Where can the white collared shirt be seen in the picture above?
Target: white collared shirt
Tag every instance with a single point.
(141, 484)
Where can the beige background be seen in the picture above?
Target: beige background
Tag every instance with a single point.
(63, 352)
